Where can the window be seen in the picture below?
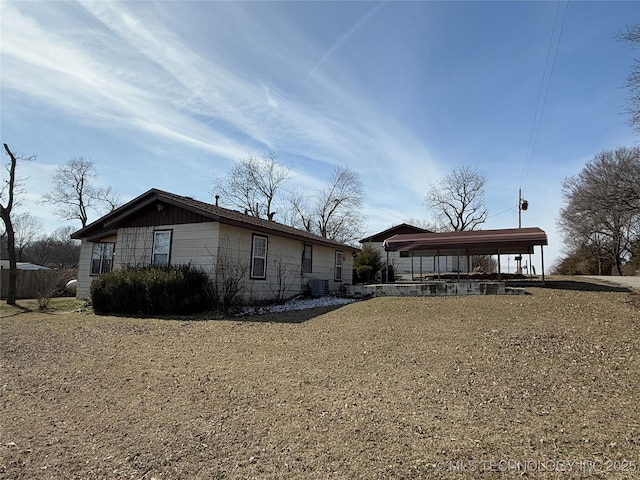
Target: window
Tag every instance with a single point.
(259, 257)
(405, 254)
(102, 258)
(338, 272)
(161, 247)
(307, 259)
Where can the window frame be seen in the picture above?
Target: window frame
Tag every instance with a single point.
(153, 248)
(255, 257)
(337, 273)
(307, 261)
(102, 258)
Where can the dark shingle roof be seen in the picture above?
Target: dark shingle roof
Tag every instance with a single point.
(403, 228)
(109, 222)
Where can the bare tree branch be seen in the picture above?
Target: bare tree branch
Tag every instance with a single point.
(75, 195)
(631, 35)
(336, 209)
(458, 200)
(253, 185)
(602, 210)
(27, 229)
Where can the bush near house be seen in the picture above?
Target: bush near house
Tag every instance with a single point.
(366, 264)
(175, 290)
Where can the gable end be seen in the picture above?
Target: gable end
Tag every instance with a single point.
(159, 213)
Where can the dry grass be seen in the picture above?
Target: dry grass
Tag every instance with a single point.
(384, 388)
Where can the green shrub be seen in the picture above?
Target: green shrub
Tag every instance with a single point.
(175, 290)
(367, 263)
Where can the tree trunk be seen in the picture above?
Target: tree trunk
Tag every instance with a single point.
(5, 214)
(11, 247)
(618, 265)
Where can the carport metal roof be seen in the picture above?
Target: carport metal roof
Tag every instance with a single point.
(477, 242)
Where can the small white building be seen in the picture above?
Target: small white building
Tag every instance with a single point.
(405, 265)
(4, 265)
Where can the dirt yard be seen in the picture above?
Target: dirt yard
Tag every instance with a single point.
(546, 385)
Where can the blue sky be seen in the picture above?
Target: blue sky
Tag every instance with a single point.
(168, 94)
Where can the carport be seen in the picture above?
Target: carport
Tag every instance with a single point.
(510, 241)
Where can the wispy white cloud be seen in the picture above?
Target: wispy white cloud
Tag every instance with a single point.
(345, 37)
(134, 73)
(158, 79)
(90, 84)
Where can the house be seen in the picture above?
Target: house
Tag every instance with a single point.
(405, 265)
(273, 261)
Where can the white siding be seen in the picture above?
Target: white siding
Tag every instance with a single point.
(84, 271)
(195, 244)
(324, 266)
(213, 246)
(283, 269)
(84, 268)
(405, 266)
(284, 278)
(133, 247)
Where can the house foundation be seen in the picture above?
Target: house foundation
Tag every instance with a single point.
(435, 288)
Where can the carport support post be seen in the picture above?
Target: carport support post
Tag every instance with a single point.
(542, 258)
(438, 261)
(420, 268)
(412, 276)
(499, 269)
(468, 264)
(386, 277)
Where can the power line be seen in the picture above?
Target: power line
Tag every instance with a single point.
(544, 92)
(510, 209)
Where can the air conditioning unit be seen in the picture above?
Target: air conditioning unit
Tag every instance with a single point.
(318, 287)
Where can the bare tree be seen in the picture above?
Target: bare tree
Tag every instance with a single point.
(299, 213)
(8, 193)
(253, 185)
(422, 223)
(56, 250)
(631, 35)
(333, 212)
(26, 229)
(457, 201)
(67, 253)
(75, 195)
(602, 210)
(337, 209)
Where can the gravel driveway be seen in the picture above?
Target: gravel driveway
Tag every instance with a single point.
(630, 282)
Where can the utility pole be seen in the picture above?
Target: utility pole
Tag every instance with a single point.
(522, 205)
